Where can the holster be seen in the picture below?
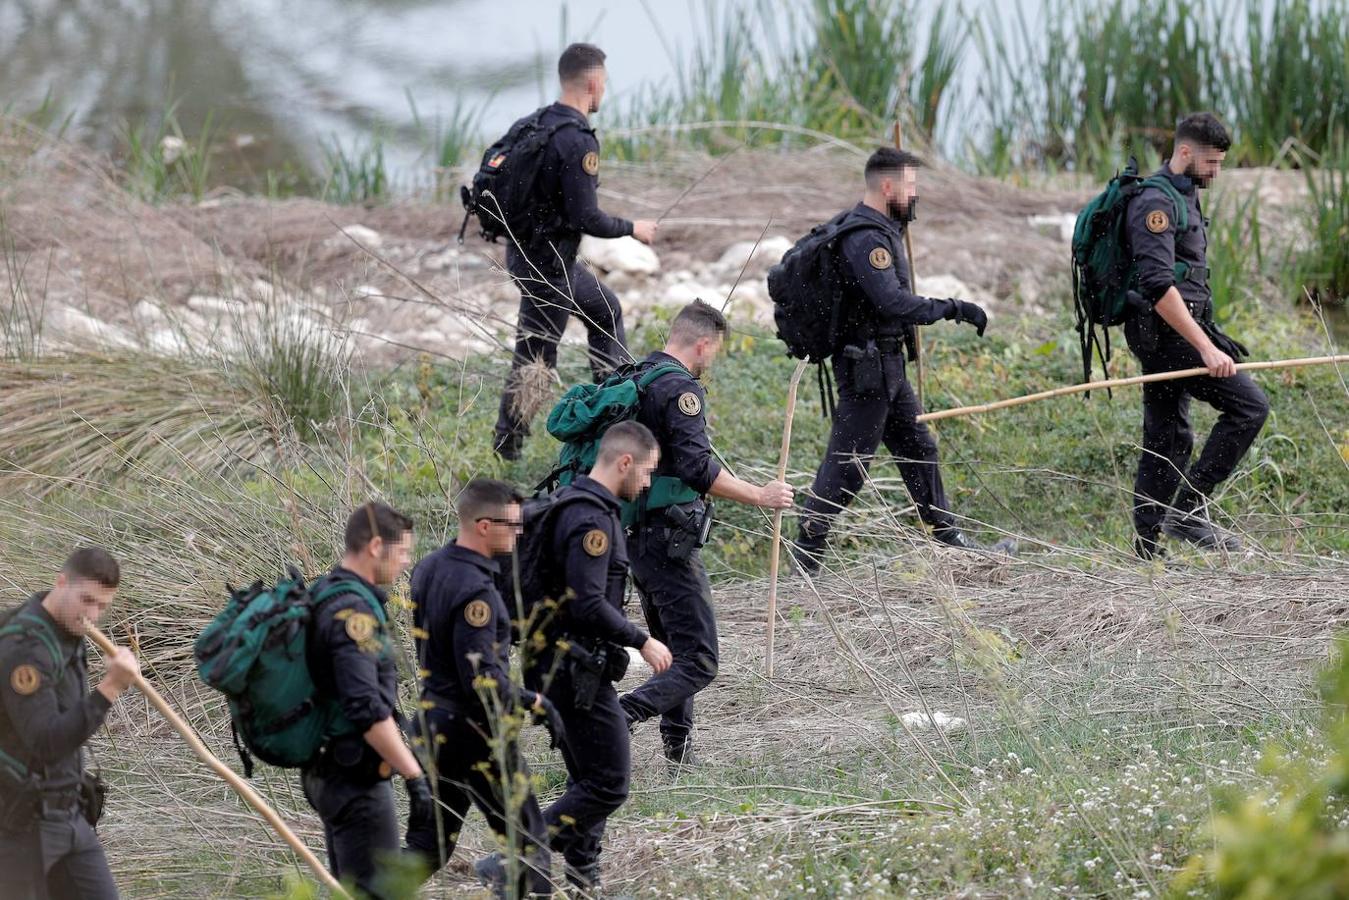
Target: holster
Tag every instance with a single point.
(689, 525)
(1143, 322)
(590, 669)
(93, 796)
(866, 372)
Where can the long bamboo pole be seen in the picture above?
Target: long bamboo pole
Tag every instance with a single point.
(978, 409)
(241, 787)
(913, 286)
(775, 554)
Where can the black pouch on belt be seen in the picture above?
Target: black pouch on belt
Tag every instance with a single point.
(864, 368)
(93, 796)
(689, 526)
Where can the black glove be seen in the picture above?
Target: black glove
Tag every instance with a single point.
(971, 313)
(421, 805)
(546, 713)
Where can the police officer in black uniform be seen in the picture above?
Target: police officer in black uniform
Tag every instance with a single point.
(553, 285)
(48, 802)
(673, 519)
(351, 659)
(575, 647)
(876, 404)
(1172, 328)
(470, 705)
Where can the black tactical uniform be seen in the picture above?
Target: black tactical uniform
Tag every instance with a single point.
(463, 634)
(666, 568)
(588, 578)
(47, 847)
(553, 285)
(1165, 258)
(876, 403)
(351, 658)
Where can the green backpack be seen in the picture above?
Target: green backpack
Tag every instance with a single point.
(254, 653)
(17, 621)
(1103, 265)
(586, 412)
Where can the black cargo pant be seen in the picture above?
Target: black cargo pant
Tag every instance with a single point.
(598, 757)
(677, 604)
(872, 411)
(551, 292)
(467, 770)
(360, 827)
(55, 856)
(1168, 439)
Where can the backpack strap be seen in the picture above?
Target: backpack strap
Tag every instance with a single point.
(347, 586)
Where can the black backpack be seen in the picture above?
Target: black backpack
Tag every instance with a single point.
(527, 577)
(807, 289)
(503, 193)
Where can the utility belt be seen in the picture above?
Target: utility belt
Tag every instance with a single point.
(24, 804)
(683, 527)
(350, 758)
(867, 364)
(590, 665)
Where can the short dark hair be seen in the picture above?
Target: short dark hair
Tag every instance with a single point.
(1205, 130)
(887, 160)
(697, 320)
(485, 498)
(375, 519)
(93, 564)
(631, 437)
(577, 60)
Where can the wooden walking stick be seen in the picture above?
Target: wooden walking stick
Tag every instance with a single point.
(241, 787)
(913, 286)
(1126, 382)
(775, 555)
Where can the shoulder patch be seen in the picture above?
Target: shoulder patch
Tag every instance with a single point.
(690, 404)
(591, 163)
(361, 626)
(595, 543)
(478, 613)
(880, 258)
(25, 680)
(1158, 221)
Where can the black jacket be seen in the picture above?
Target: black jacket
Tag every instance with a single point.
(48, 710)
(462, 629)
(1157, 244)
(674, 407)
(567, 192)
(351, 655)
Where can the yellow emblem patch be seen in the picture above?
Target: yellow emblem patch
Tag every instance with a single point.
(881, 258)
(478, 613)
(689, 404)
(361, 627)
(25, 680)
(591, 163)
(595, 542)
(1158, 221)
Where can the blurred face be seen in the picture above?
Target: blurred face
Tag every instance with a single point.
(1201, 164)
(391, 559)
(636, 474)
(500, 532)
(705, 350)
(597, 80)
(76, 601)
(900, 191)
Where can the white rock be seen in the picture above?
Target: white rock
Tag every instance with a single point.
(684, 292)
(366, 237)
(769, 253)
(213, 305)
(940, 721)
(147, 313)
(171, 148)
(66, 323)
(943, 286)
(1058, 225)
(625, 254)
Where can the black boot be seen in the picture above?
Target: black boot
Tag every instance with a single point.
(806, 557)
(491, 871)
(507, 446)
(629, 713)
(952, 536)
(584, 881)
(679, 753)
(1188, 521)
(1148, 547)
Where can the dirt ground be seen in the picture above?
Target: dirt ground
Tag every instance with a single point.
(98, 263)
